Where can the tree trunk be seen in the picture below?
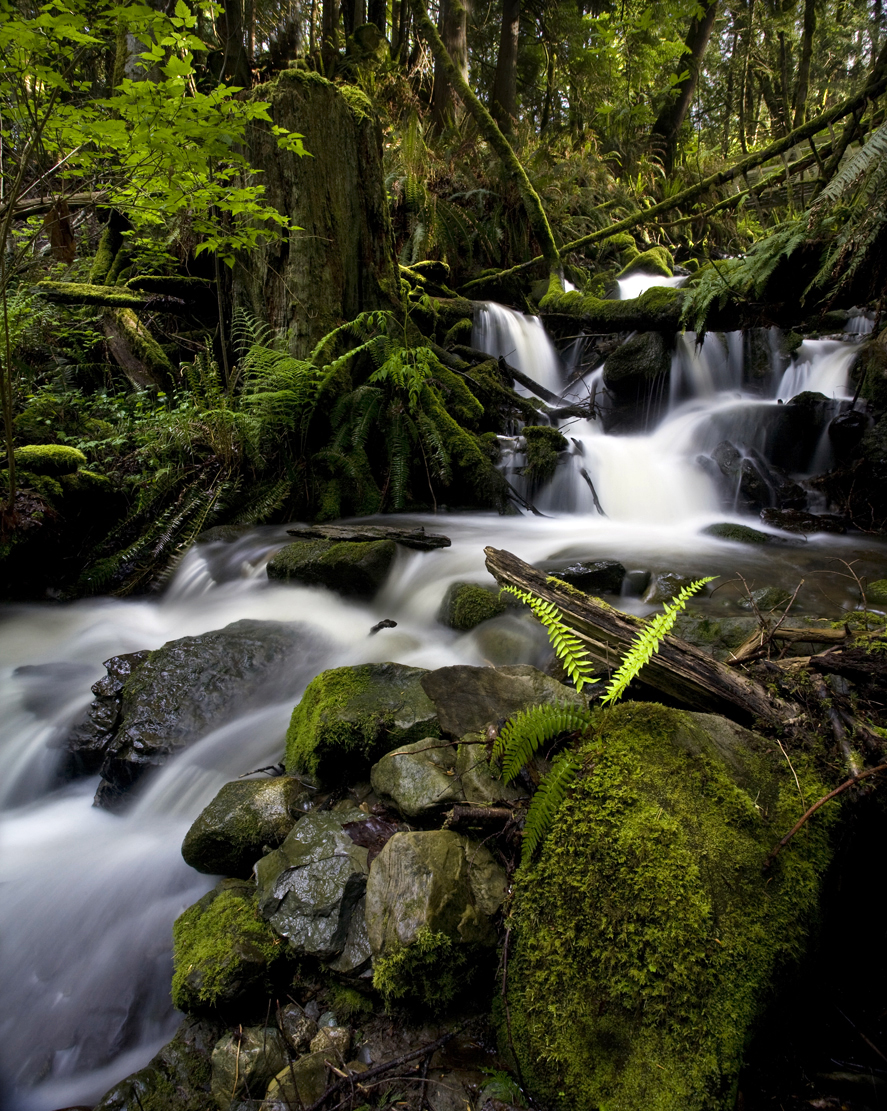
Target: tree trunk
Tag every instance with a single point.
(446, 105)
(503, 102)
(668, 124)
(329, 38)
(802, 81)
(340, 262)
(677, 669)
(377, 12)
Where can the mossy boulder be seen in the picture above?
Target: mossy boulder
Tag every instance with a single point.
(876, 592)
(544, 445)
(655, 260)
(242, 821)
(350, 716)
(646, 936)
(634, 367)
(466, 605)
(737, 534)
(355, 569)
(430, 900)
(49, 459)
(873, 369)
(668, 584)
(300, 1084)
(178, 1076)
(225, 957)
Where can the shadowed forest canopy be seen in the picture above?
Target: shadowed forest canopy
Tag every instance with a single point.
(240, 244)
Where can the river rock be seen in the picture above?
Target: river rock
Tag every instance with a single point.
(737, 534)
(633, 368)
(181, 1066)
(245, 1062)
(793, 520)
(350, 716)
(766, 599)
(231, 833)
(300, 1084)
(845, 433)
(297, 1027)
(467, 699)
(466, 605)
(430, 898)
(603, 576)
(308, 889)
(225, 958)
(352, 569)
(334, 1041)
(419, 780)
(89, 739)
(479, 787)
(648, 917)
(668, 584)
(180, 692)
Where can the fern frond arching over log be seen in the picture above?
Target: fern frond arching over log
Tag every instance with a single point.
(524, 734)
(566, 644)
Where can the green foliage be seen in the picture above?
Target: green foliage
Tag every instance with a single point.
(567, 646)
(528, 730)
(431, 972)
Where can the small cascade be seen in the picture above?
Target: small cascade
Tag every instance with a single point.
(819, 366)
(636, 284)
(522, 341)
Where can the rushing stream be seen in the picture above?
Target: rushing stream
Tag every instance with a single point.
(88, 898)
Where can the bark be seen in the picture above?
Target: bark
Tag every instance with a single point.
(802, 82)
(503, 101)
(490, 131)
(677, 669)
(668, 124)
(875, 85)
(329, 39)
(340, 262)
(377, 12)
(446, 103)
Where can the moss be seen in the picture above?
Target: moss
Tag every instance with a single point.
(348, 1003)
(876, 592)
(431, 973)
(637, 365)
(49, 459)
(347, 719)
(466, 605)
(739, 534)
(645, 935)
(143, 345)
(223, 950)
(457, 397)
(460, 332)
(49, 489)
(657, 309)
(360, 104)
(656, 260)
(622, 243)
(109, 244)
(544, 444)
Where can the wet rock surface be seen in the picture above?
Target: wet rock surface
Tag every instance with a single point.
(354, 569)
(795, 520)
(410, 538)
(466, 605)
(156, 703)
(244, 1063)
(603, 576)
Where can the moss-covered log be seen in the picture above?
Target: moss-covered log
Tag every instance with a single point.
(338, 260)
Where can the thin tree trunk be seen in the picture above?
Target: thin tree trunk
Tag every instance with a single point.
(668, 124)
(377, 12)
(487, 127)
(503, 102)
(329, 39)
(802, 82)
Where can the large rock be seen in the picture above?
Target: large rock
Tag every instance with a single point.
(245, 1062)
(648, 919)
(310, 887)
(225, 958)
(429, 902)
(89, 740)
(348, 568)
(300, 1084)
(350, 716)
(180, 692)
(230, 834)
(633, 369)
(467, 699)
(466, 605)
(181, 1070)
(602, 576)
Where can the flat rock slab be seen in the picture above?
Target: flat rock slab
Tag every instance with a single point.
(350, 568)
(410, 538)
(467, 699)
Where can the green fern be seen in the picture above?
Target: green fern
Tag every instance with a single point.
(546, 802)
(567, 646)
(524, 734)
(647, 641)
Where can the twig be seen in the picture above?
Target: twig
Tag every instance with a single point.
(851, 782)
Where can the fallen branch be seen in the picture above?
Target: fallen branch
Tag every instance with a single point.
(678, 669)
(846, 785)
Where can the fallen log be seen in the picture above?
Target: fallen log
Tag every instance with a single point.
(678, 669)
(361, 534)
(757, 643)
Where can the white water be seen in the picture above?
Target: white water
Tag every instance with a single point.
(89, 898)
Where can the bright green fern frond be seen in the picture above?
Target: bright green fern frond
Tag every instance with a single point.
(647, 641)
(528, 730)
(567, 645)
(547, 800)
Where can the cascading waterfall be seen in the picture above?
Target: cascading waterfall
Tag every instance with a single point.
(89, 898)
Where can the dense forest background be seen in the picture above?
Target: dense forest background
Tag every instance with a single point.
(239, 245)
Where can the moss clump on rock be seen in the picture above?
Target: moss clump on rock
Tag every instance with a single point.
(544, 444)
(646, 936)
(636, 365)
(466, 605)
(739, 534)
(348, 568)
(431, 972)
(656, 260)
(350, 716)
(224, 953)
(49, 459)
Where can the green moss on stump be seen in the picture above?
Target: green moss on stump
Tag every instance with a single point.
(351, 716)
(224, 953)
(49, 459)
(657, 309)
(645, 937)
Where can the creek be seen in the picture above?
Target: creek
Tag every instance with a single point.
(89, 897)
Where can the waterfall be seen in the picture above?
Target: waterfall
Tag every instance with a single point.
(89, 898)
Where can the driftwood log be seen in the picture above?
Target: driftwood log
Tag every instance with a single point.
(678, 670)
